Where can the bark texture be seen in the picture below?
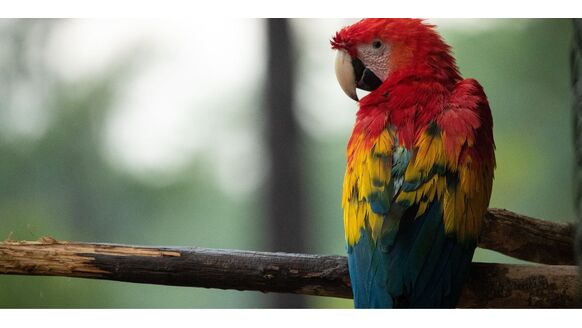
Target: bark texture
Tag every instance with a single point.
(527, 238)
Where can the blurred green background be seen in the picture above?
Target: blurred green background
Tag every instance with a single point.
(151, 132)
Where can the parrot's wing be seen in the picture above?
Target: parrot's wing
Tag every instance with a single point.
(438, 193)
(467, 132)
(454, 161)
(446, 190)
(368, 194)
(368, 186)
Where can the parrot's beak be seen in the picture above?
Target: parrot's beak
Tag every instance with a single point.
(344, 72)
(351, 74)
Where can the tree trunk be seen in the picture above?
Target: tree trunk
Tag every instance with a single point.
(284, 198)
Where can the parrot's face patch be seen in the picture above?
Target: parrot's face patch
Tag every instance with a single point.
(365, 70)
(375, 56)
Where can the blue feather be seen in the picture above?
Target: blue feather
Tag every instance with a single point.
(414, 263)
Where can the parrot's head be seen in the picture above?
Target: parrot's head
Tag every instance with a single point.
(373, 50)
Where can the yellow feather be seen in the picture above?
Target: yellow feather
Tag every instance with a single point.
(369, 170)
(366, 164)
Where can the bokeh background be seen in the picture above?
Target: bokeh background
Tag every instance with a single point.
(231, 134)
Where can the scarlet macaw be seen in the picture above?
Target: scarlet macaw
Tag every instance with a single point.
(420, 165)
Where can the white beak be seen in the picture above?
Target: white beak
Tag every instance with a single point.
(344, 72)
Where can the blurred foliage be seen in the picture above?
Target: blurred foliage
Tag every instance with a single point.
(59, 184)
(56, 180)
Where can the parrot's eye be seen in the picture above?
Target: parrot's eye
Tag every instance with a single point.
(377, 44)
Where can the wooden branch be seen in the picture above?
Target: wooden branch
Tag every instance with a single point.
(492, 285)
(527, 238)
(489, 285)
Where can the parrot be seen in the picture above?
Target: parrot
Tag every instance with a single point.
(420, 164)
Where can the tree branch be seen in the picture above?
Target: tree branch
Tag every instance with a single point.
(489, 285)
(527, 238)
